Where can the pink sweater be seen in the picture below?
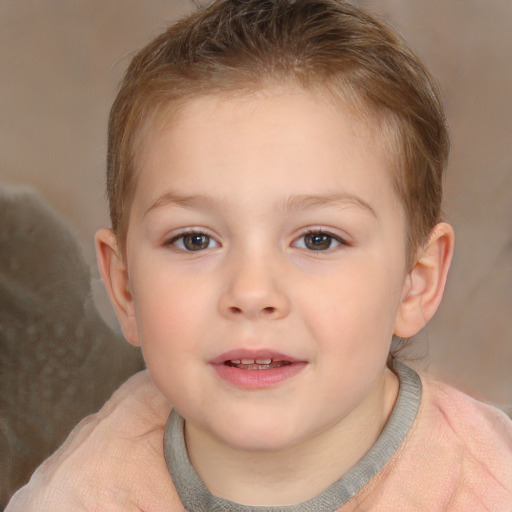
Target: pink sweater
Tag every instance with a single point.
(457, 457)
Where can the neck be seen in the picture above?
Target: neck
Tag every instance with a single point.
(297, 473)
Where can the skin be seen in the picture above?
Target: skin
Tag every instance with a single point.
(256, 284)
(251, 178)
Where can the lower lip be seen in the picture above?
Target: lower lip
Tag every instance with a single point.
(258, 379)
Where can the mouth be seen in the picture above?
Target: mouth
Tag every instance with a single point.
(256, 364)
(247, 359)
(260, 369)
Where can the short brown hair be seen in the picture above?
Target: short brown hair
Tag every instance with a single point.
(239, 45)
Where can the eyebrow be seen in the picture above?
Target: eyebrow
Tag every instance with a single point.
(316, 201)
(185, 201)
(301, 202)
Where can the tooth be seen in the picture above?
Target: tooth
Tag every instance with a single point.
(236, 361)
(247, 361)
(263, 361)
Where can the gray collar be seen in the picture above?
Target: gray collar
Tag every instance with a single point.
(197, 498)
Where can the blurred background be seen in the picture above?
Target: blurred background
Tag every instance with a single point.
(61, 61)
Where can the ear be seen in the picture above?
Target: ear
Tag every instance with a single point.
(424, 285)
(114, 275)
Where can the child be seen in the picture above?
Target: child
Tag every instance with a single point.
(274, 178)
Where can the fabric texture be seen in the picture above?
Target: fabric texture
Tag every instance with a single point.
(440, 451)
(53, 342)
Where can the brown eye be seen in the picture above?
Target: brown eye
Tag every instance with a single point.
(196, 242)
(193, 241)
(318, 241)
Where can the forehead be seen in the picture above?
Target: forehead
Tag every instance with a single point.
(174, 113)
(273, 136)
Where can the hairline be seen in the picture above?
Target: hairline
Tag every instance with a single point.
(167, 110)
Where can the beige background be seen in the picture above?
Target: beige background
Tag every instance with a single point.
(60, 61)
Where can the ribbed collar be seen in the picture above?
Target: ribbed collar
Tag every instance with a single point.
(197, 498)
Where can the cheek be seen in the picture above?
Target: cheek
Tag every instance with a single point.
(354, 309)
(169, 307)
(169, 319)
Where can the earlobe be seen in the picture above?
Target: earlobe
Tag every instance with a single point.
(114, 275)
(425, 283)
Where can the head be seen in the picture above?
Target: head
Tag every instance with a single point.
(274, 179)
(325, 46)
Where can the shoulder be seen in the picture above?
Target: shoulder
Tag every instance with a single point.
(466, 446)
(476, 425)
(112, 460)
(457, 457)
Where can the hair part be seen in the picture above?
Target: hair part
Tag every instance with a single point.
(239, 46)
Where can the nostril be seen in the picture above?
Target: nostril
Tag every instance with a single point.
(269, 311)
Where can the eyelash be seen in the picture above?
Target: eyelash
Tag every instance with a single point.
(183, 236)
(325, 236)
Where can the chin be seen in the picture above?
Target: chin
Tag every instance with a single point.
(258, 437)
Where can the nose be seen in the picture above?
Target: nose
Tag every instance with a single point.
(254, 290)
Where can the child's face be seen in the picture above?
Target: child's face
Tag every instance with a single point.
(266, 228)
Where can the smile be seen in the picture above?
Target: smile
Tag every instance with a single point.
(256, 369)
(256, 364)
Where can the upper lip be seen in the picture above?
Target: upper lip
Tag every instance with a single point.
(260, 354)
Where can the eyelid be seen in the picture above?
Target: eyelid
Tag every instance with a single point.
(171, 240)
(341, 240)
